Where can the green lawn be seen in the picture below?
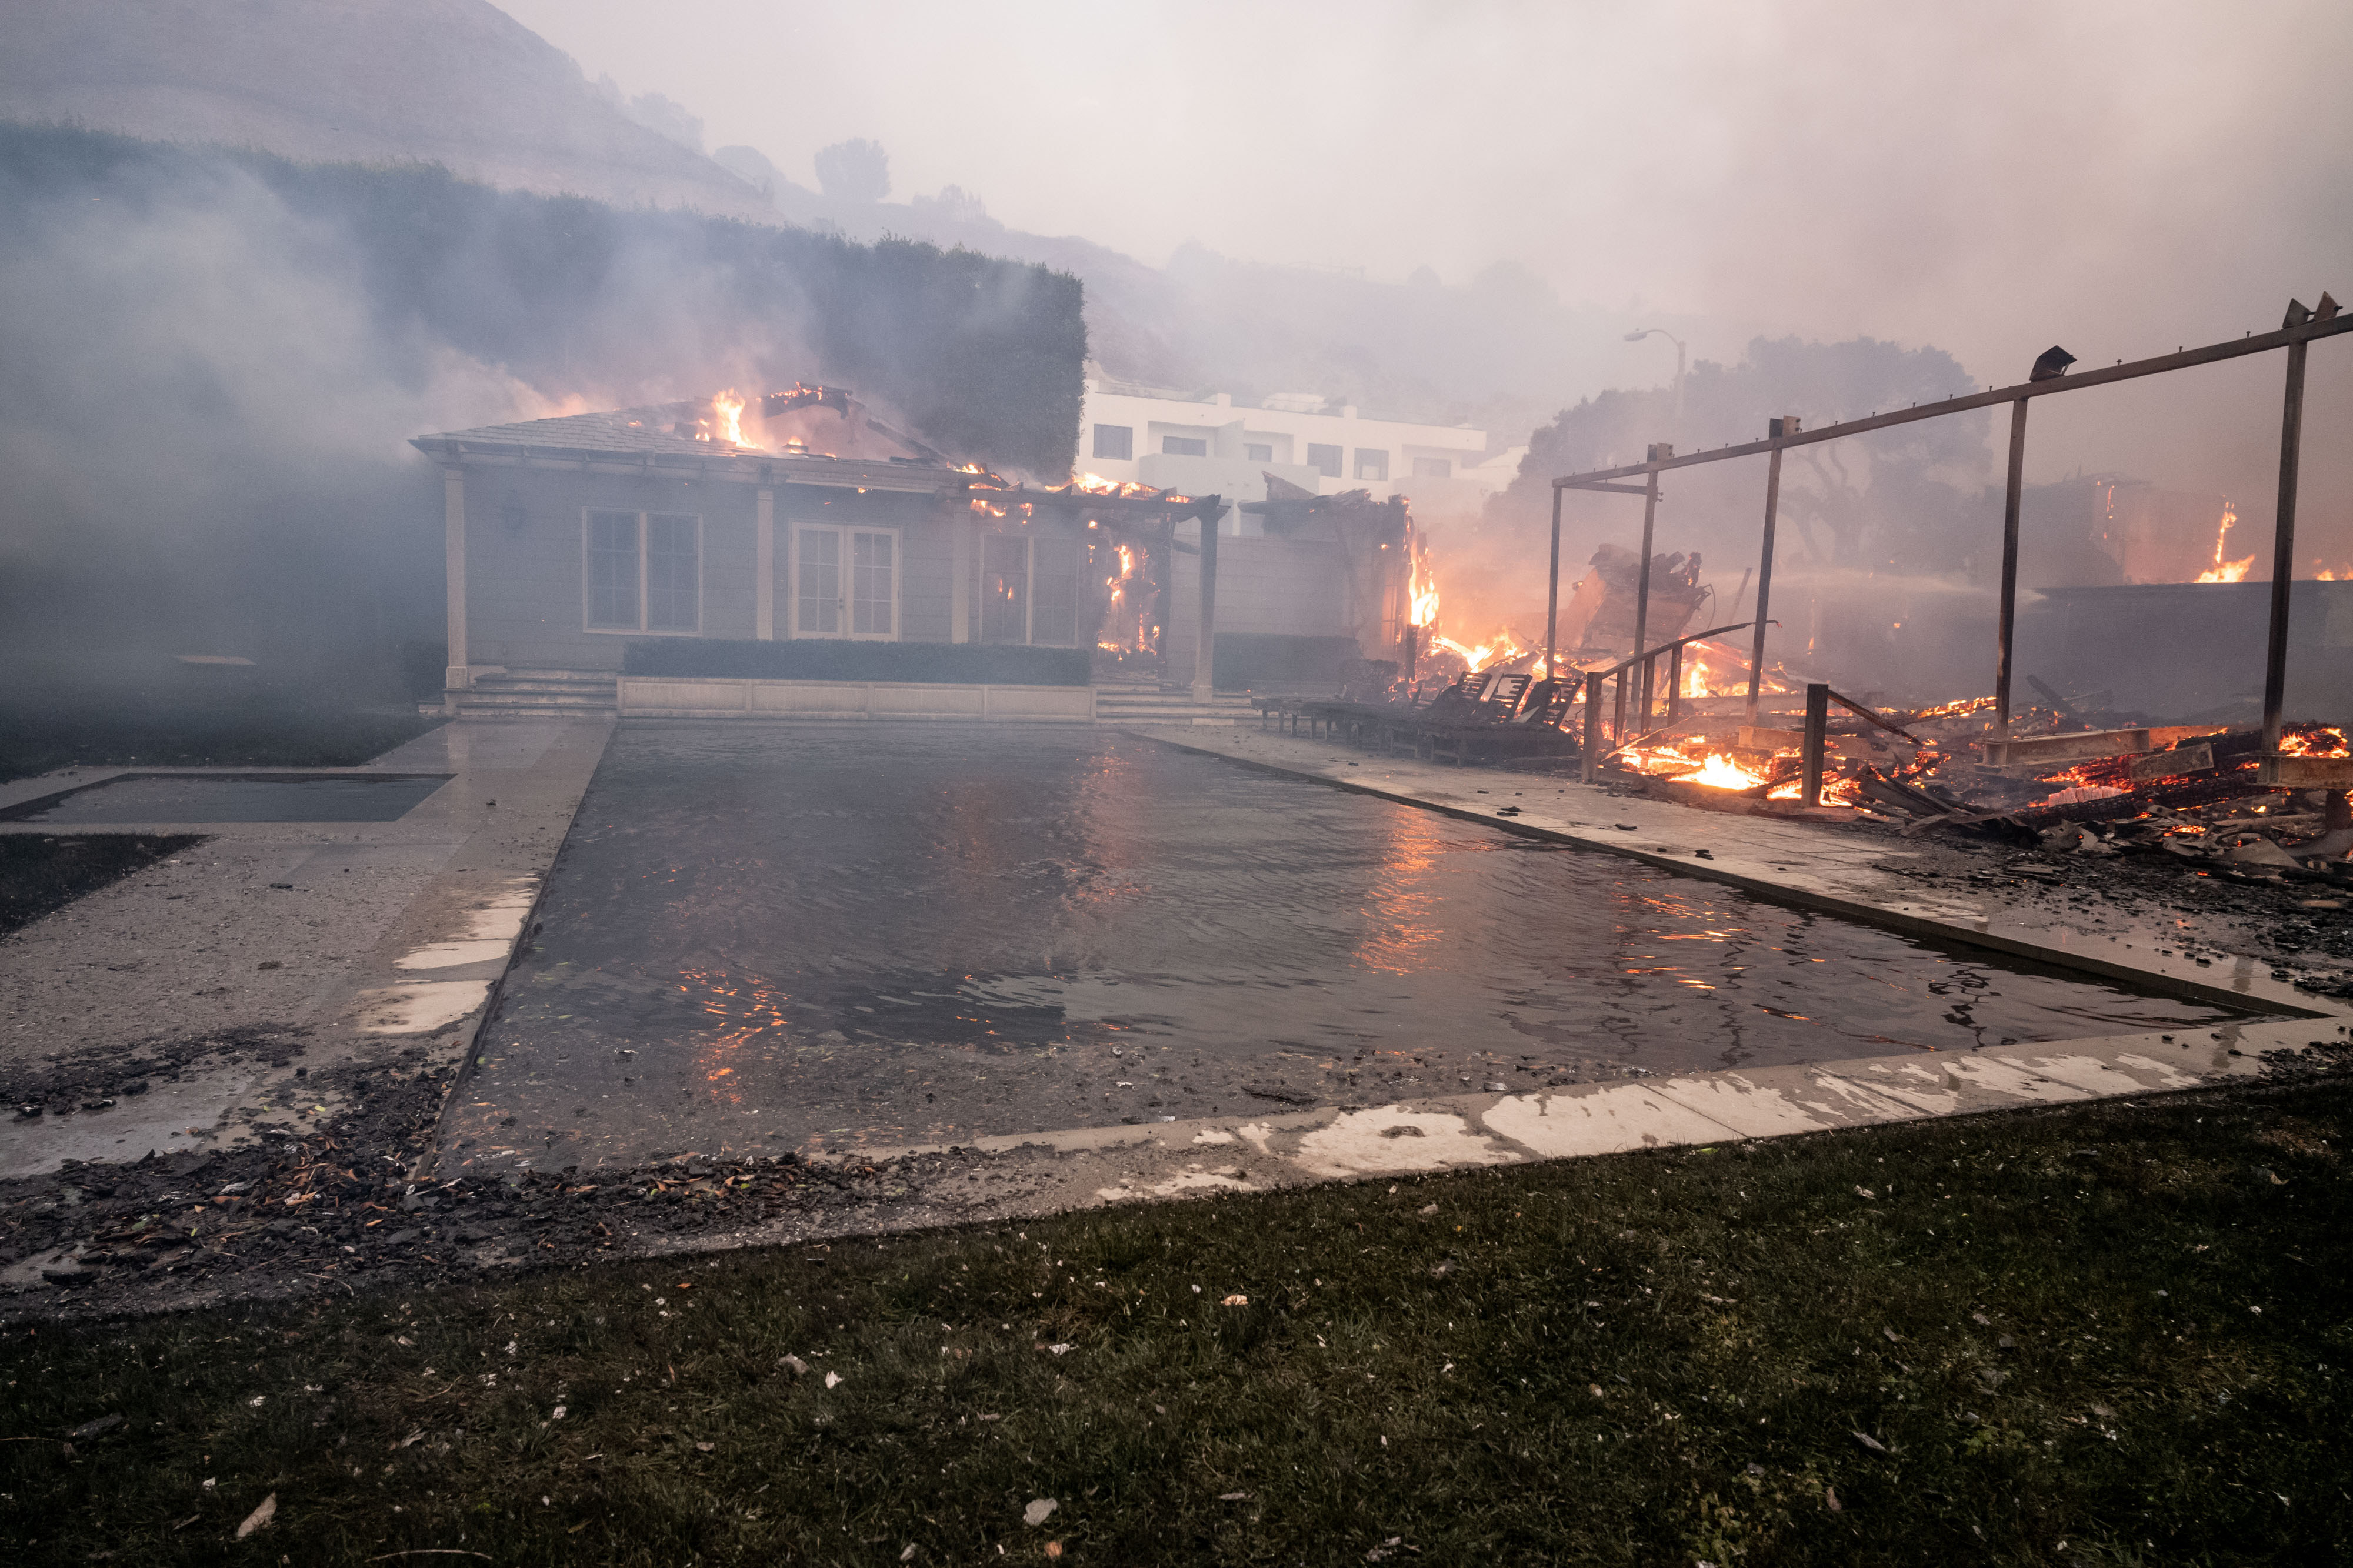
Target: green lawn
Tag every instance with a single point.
(2106, 1334)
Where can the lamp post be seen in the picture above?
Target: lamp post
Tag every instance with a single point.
(1638, 335)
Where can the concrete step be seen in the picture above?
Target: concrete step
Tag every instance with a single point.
(1107, 698)
(505, 683)
(538, 694)
(589, 695)
(544, 681)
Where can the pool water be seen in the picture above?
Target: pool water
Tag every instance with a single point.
(214, 798)
(793, 936)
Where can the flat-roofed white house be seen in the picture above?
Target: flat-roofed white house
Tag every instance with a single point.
(1169, 440)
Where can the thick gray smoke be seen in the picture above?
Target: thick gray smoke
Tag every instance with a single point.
(201, 424)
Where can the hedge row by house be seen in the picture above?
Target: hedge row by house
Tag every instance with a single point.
(958, 664)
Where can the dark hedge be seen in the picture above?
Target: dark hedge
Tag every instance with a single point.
(960, 664)
(982, 357)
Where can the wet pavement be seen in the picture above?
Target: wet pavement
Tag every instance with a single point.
(772, 938)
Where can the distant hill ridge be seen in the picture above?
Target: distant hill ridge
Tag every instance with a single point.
(456, 82)
(459, 83)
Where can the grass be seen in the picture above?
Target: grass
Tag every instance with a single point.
(36, 738)
(39, 876)
(2107, 1335)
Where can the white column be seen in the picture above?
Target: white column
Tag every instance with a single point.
(453, 513)
(961, 547)
(764, 557)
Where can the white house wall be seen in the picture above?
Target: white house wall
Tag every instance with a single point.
(1228, 432)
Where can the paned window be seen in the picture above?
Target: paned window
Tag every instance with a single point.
(1372, 463)
(1054, 592)
(1324, 460)
(644, 571)
(1004, 588)
(1116, 441)
(673, 572)
(846, 582)
(873, 584)
(612, 569)
(1185, 446)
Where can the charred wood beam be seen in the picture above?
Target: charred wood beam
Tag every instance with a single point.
(2284, 547)
(1818, 717)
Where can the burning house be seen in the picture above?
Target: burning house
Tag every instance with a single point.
(680, 536)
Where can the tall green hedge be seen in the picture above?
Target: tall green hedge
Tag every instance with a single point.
(982, 357)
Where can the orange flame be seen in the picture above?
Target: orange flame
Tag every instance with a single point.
(1497, 652)
(2318, 742)
(1720, 771)
(2224, 571)
(1422, 586)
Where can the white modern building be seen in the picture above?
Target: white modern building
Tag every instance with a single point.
(1214, 445)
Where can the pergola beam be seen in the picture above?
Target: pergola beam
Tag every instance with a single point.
(2253, 344)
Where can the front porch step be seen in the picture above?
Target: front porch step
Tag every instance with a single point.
(538, 694)
(1134, 707)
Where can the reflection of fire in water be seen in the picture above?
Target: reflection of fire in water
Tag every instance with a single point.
(744, 1008)
(2224, 571)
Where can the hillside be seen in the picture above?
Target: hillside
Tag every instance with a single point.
(456, 82)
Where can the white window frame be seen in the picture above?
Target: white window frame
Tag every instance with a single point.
(641, 629)
(792, 632)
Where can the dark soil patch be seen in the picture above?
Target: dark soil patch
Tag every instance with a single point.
(39, 876)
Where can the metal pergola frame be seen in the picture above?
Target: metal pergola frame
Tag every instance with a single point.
(1785, 433)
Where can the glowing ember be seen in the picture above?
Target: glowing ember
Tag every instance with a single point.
(2316, 741)
(1956, 709)
(2224, 571)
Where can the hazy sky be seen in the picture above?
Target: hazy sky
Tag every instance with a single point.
(1986, 175)
(1990, 177)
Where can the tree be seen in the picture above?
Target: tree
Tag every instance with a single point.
(854, 171)
(1854, 502)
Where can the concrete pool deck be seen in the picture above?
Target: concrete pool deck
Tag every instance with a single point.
(303, 947)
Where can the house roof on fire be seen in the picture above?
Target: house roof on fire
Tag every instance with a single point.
(805, 425)
(813, 436)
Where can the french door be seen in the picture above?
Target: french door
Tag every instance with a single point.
(846, 582)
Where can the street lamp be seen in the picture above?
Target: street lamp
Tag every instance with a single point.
(1637, 336)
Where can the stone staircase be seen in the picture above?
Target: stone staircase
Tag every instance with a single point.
(540, 694)
(1138, 702)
